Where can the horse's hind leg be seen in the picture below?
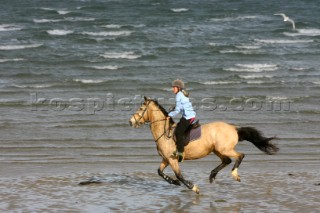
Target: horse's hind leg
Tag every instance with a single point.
(167, 178)
(238, 156)
(225, 161)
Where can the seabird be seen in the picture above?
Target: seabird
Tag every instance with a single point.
(286, 18)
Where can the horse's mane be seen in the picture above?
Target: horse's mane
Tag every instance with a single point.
(162, 109)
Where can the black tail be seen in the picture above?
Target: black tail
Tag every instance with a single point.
(254, 136)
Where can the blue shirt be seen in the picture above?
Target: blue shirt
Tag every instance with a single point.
(183, 106)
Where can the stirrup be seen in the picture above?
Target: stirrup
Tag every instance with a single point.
(179, 155)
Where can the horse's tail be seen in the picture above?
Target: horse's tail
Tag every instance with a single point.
(254, 136)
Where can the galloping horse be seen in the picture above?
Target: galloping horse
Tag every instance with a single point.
(217, 137)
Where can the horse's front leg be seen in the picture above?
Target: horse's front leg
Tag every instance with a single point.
(176, 169)
(167, 178)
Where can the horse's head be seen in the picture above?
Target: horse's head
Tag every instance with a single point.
(141, 115)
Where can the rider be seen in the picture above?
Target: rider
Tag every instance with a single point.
(183, 106)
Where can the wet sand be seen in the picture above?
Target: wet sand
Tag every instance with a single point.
(266, 186)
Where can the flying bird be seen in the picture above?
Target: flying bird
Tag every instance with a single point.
(286, 18)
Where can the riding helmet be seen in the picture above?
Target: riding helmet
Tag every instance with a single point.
(178, 83)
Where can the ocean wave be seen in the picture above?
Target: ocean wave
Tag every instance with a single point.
(179, 10)
(220, 82)
(113, 26)
(19, 47)
(316, 82)
(282, 41)
(74, 19)
(214, 44)
(89, 81)
(249, 47)
(111, 33)
(255, 76)
(252, 68)
(59, 32)
(63, 12)
(255, 82)
(59, 11)
(13, 59)
(246, 52)
(121, 55)
(107, 67)
(305, 32)
(35, 86)
(47, 9)
(9, 27)
(277, 98)
(237, 18)
(40, 21)
(300, 68)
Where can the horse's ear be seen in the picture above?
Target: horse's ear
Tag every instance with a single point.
(145, 98)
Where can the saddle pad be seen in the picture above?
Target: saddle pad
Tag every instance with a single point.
(192, 135)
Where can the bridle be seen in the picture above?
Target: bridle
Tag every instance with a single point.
(165, 131)
(141, 116)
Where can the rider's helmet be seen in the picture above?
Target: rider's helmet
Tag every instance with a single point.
(178, 83)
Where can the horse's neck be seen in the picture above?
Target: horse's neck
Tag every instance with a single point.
(158, 123)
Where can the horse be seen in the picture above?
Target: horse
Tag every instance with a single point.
(217, 137)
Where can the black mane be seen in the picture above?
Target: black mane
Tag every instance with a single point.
(162, 109)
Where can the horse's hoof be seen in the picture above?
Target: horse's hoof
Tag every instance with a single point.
(212, 177)
(237, 179)
(176, 182)
(235, 175)
(196, 189)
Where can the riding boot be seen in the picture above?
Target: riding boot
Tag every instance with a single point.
(180, 131)
(179, 155)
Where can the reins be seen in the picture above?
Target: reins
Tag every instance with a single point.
(165, 131)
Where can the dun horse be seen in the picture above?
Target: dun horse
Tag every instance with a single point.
(217, 137)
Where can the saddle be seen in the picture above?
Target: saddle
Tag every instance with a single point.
(192, 133)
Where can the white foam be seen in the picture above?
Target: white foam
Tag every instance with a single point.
(40, 21)
(214, 44)
(19, 47)
(237, 18)
(316, 82)
(120, 55)
(8, 60)
(114, 26)
(300, 68)
(59, 32)
(249, 47)
(276, 98)
(305, 32)
(9, 27)
(252, 68)
(36, 86)
(112, 33)
(220, 82)
(255, 82)
(108, 67)
(63, 12)
(179, 10)
(138, 25)
(47, 8)
(89, 81)
(282, 41)
(255, 76)
(246, 52)
(79, 19)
